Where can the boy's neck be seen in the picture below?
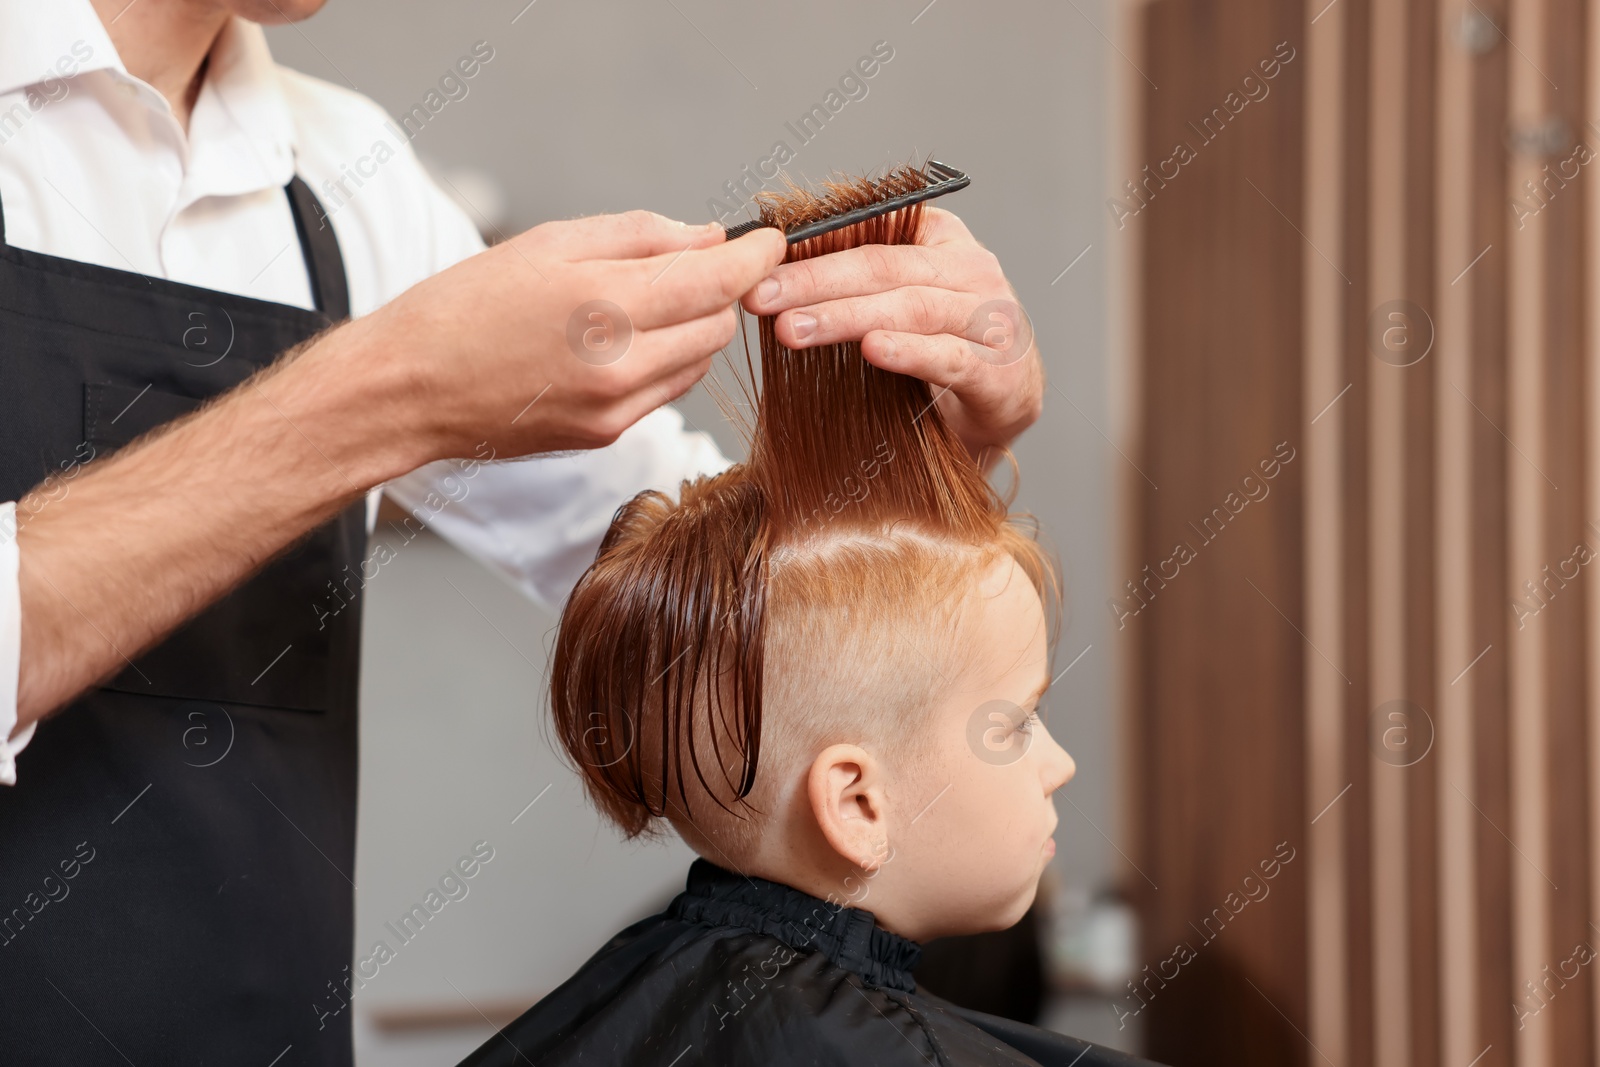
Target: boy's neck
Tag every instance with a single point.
(841, 884)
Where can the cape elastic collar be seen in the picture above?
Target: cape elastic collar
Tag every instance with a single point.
(849, 937)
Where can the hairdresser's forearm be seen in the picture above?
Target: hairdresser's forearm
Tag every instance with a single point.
(152, 535)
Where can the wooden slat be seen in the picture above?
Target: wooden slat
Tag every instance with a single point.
(1129, 423)
(1568, 833)
(1487, 684)
(1387, 581)
(1455, 349)
(1355, 518)
(1477, 983)
(1418, 386)
(1589, 189)
(1326, 404)
(1528, 537)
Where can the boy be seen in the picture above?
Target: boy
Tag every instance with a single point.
(822, 667)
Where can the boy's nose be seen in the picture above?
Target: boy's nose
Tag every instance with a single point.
(1058, 765)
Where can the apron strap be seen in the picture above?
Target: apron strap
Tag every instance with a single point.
(318, 247)
(320, 250)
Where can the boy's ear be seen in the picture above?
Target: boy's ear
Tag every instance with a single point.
(845, 788)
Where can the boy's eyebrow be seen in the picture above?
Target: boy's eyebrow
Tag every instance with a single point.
(1039, 692)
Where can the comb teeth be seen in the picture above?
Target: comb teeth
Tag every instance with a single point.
(803, 214)
(801, 207)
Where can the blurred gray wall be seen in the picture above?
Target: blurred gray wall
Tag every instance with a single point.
(605, 106)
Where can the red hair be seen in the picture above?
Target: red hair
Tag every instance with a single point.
(858, 505)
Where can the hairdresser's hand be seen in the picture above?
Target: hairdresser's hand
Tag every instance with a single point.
(561, 337)
(942, 311)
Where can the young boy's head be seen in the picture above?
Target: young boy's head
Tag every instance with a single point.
(823, 665)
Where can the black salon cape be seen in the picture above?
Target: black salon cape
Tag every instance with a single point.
(743, 972)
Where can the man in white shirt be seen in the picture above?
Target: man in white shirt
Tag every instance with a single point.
(160, 246)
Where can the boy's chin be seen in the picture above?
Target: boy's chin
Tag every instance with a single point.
(1001, 914)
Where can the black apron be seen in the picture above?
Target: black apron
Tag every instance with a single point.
(176, 860)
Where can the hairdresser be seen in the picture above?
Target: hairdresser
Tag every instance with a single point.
(207, 374)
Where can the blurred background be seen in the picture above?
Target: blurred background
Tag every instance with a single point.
(1317, 456)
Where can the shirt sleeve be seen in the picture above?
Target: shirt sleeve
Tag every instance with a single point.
(539, 521)
(10, 647)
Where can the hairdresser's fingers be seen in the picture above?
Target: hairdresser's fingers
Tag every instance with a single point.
(655, 368)
(871, 269)
(643, 401)
(662, 354)
(943, 360)
(630, 235)
(912, 308)
(688, 284)
(987, 397)
(676, 385)
(941, 227)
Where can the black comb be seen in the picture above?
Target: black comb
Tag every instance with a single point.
(947, 180)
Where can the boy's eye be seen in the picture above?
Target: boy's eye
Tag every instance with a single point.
(1026, 725)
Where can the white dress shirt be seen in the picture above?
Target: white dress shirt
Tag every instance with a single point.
(95, 167)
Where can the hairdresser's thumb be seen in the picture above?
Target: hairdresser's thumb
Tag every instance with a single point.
(757, 255)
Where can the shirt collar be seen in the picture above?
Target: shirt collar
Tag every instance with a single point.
(241, 132)
(849, 937)
(55, 39)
